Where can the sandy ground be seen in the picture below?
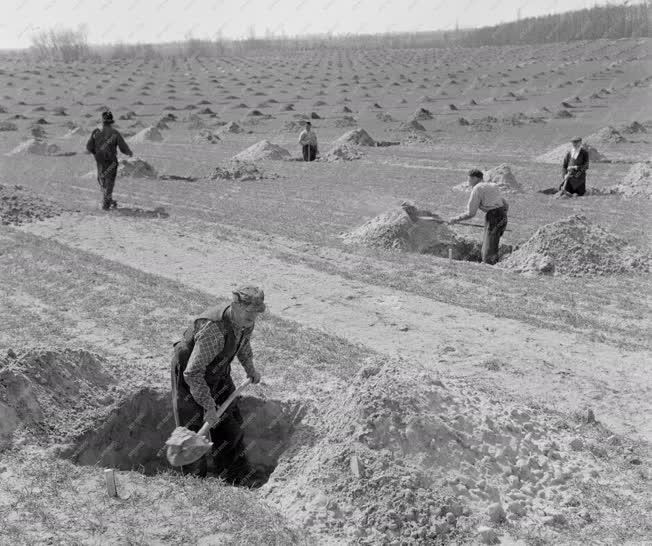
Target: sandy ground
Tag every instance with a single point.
(558, 369)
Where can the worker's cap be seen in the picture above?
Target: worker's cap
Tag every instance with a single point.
(107, 116)
(576, 139)
(250, 296)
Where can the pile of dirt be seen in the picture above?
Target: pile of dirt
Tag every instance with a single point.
(36, 147)
(52, 392)
(358, 137)
(8, 126)
(575, 247)
(398, 230)
(238, 170)
(232, 127)
(292, 126)
(412, 125)
(637, 182)
(632, 128)
(557, 154)
(263, 150)
(149, 134)
(503, 177)
(607, 134)
(422, 114)
(403, 458)
(18, 205)
(205, 136)
(384, 116)
(136, 168)
(342, 152)
(346, 121)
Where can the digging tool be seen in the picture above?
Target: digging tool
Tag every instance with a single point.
(186, 446)
(438, 221)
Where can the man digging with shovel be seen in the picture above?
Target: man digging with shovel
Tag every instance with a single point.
(201, 383)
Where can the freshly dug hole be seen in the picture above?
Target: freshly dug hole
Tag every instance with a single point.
(133, 435)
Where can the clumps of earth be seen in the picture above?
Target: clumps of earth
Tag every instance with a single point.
(346, 121)
(51, 392)
(357, 137)
(557, 154)
(205, 136)
(416, 230)
(18, 206)
(342, 152)
(232, 127)
(263, 150)
(239, 170)
(636, 183)
(575, 246)
(402, 458)
(149, 134)
(605, 135)
(35, 146)
(136, 168)
(502, 176)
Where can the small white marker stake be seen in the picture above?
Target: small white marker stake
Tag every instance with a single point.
(450, 255)
(109, 476)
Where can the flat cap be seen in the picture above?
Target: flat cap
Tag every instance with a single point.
(576, 139)
(251, 296)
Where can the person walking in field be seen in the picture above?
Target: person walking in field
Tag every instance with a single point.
(103, 144)
(201, 380)
(486, 197)
(574, 167)
(308, 141)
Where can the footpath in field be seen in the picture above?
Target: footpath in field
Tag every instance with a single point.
(548, 366)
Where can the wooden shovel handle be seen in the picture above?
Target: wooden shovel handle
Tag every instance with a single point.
(220, 411)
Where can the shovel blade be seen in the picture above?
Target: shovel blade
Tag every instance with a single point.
(186, 446)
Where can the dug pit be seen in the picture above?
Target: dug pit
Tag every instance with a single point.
(133, 435)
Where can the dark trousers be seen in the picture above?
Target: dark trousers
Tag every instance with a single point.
(227, 457)
(309, 152)
(574, 184)
(495, 222)
(106, 173)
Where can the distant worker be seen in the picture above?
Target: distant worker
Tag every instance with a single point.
(308, 141)
(574, 167)
(486, 197)
(102, 144)
(201, 381)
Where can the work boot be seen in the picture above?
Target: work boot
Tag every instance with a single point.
(114, 204)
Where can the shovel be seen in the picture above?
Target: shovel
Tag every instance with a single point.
(186, 446)
(433, 219)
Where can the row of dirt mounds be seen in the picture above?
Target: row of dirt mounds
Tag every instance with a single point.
(575, 246)
(402, 458)
(18, 205)
(420, 231)
(52, 394)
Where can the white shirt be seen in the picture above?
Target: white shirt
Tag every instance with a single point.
(307, 137)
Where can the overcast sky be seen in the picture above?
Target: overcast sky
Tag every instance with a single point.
(109, 21)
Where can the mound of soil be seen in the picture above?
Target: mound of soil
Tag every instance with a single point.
(575, 246)
(292, 126)
(607, 134)
(136, 168)
(237, 170)
(503, 177)
(557, 154)
(262, 150)
(18, 205)
(149, 134)
(412, 125)
(51, 392)
(632, 128)
(232, 127)
(205, 136)
(384, 116)
(404, 459)
(358, 137)
(422, 114)
(8, 126)
(342, 152)
(637, 182)
(346, 121)
(36, 147)
(397, 230)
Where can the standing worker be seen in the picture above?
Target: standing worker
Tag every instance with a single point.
(201, 381)
(308, 141)
(574, 167)
(486, 197)
(102, 144)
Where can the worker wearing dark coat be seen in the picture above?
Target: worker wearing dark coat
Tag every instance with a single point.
(103, 144)
(574, 167)
(201, 381)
